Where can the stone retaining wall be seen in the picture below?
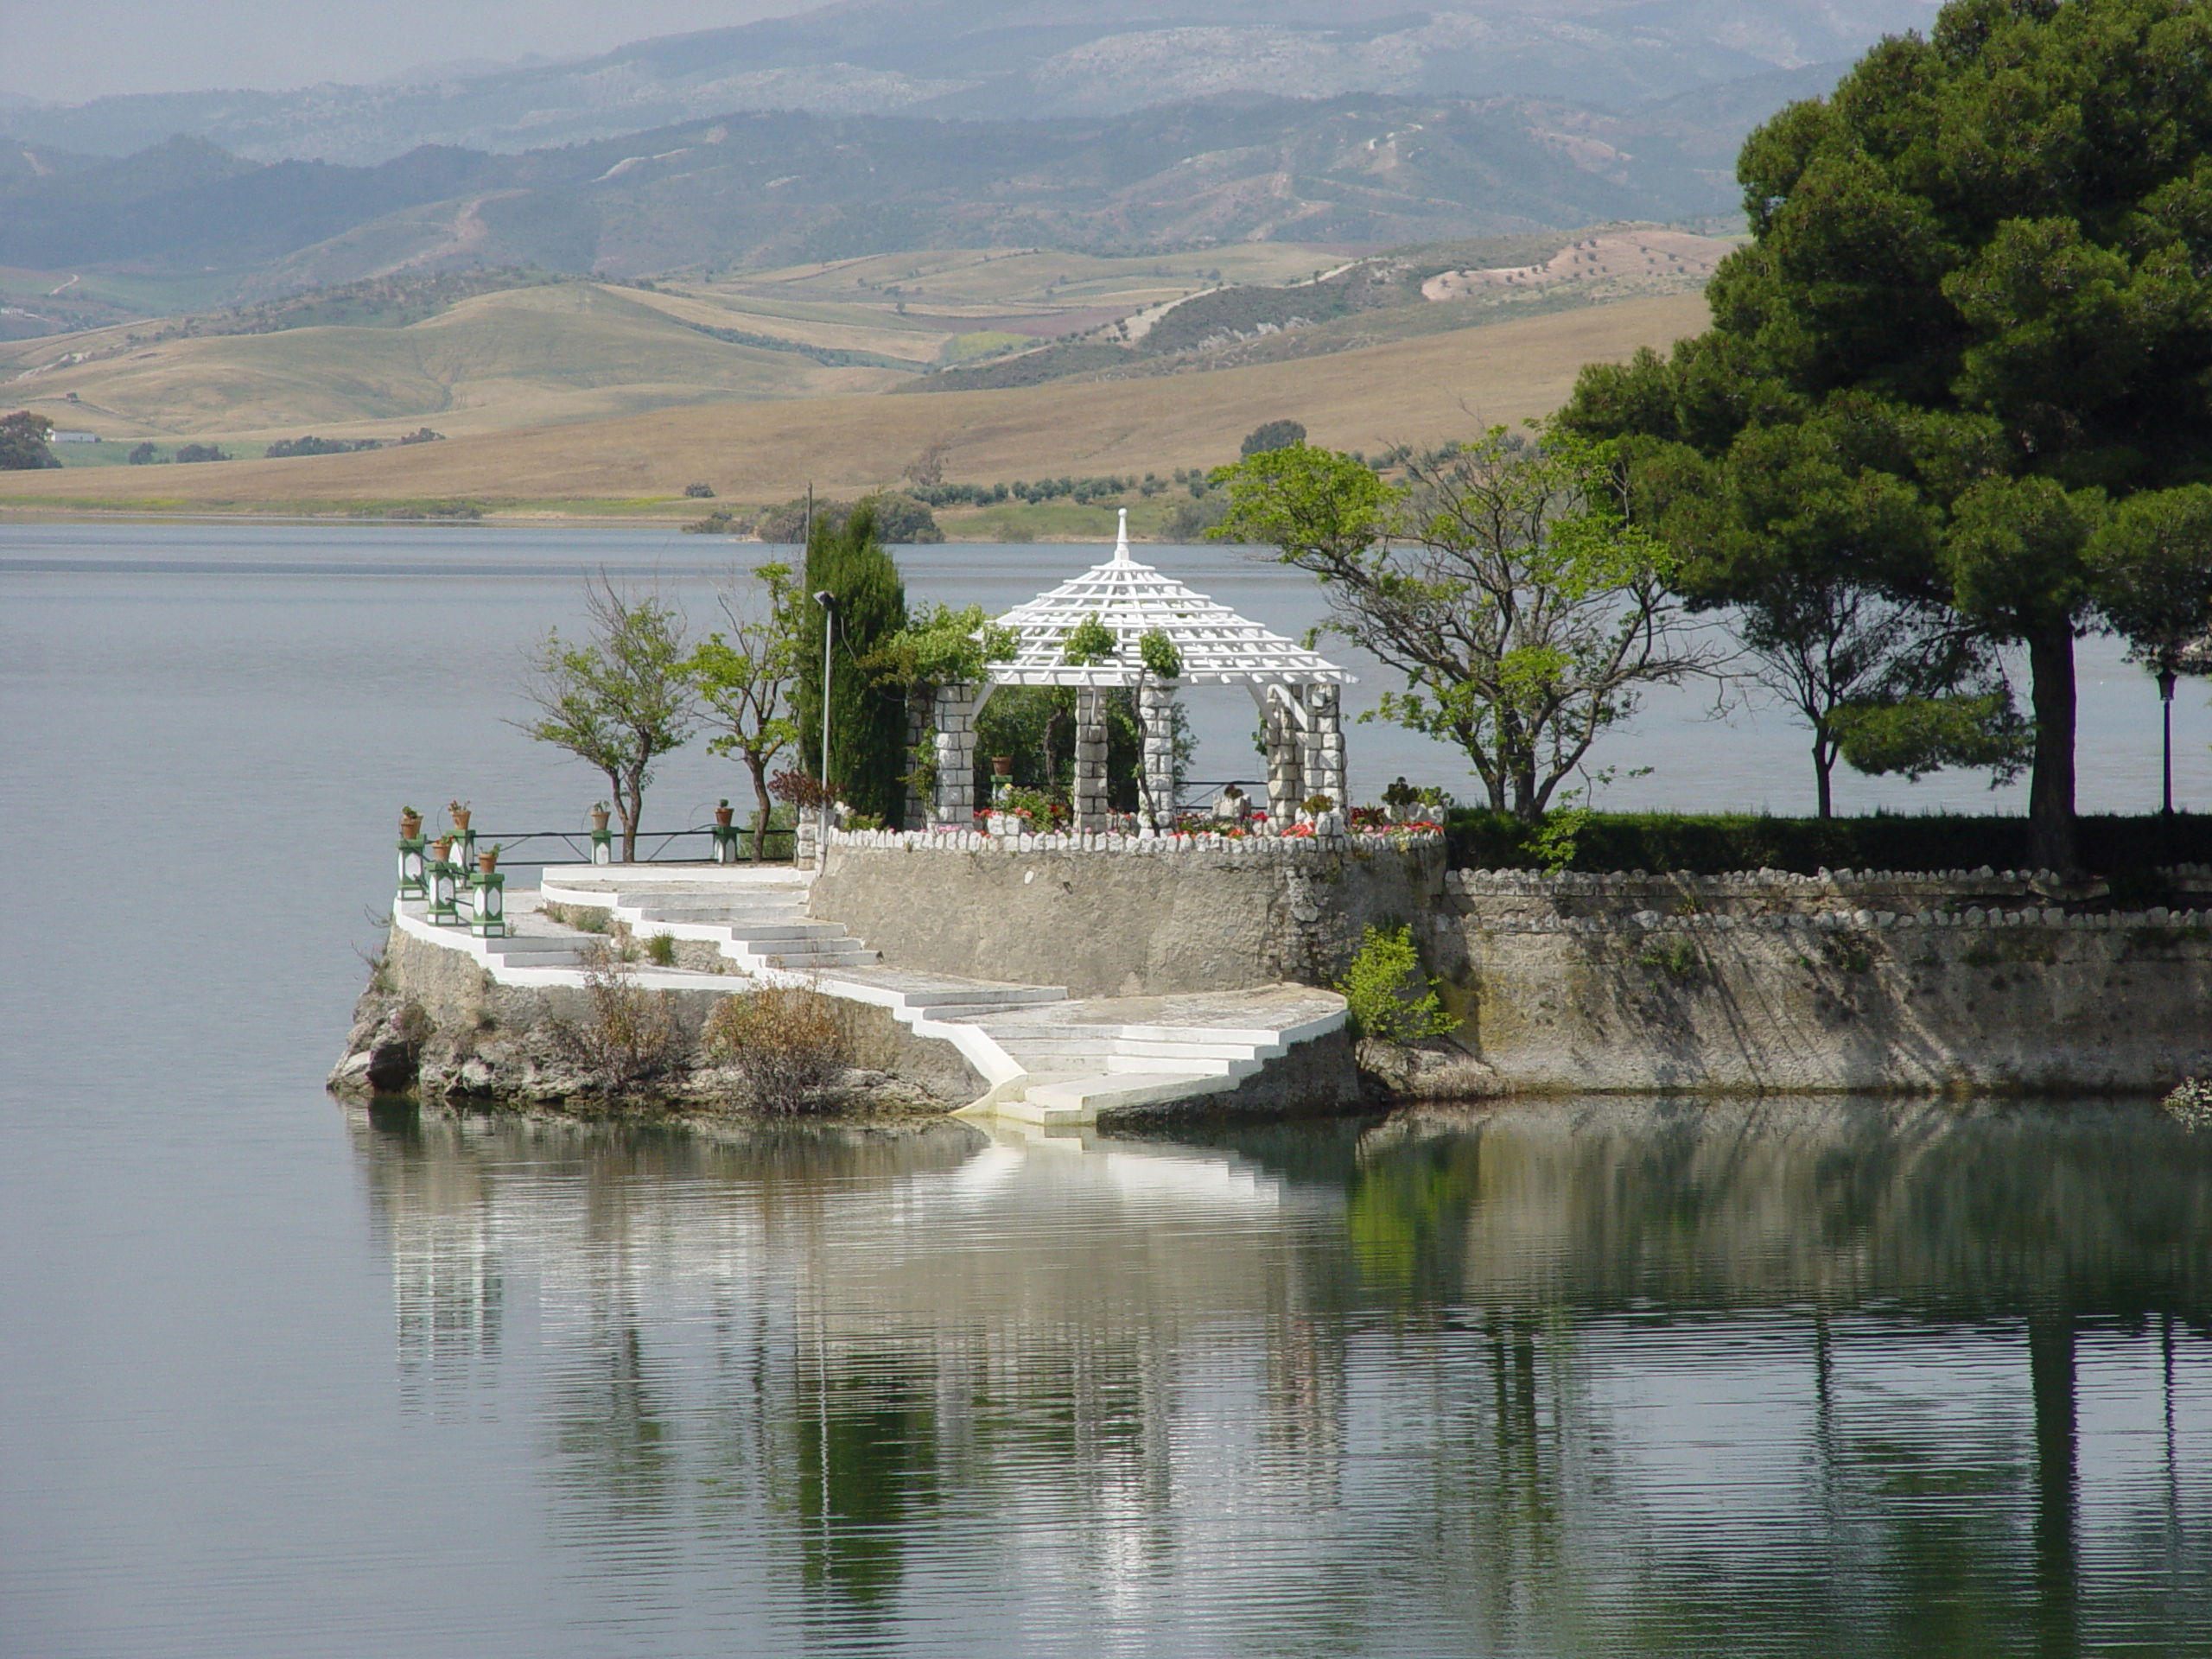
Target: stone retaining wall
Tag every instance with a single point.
(1123, 916)
(1969, 980)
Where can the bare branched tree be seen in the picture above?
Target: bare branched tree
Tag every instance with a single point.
(1504, 579)
(620, 698)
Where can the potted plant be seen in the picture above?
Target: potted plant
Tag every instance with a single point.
(1001, 765)
(411, 824)
(599, 816)
(441, 849)
(487, 858)
(723, 815)
(460, 810)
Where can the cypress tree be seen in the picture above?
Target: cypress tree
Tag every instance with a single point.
(867, 718)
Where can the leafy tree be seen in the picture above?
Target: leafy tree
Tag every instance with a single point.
(900, 520)
(2153, 557)
(1505, 581)
(142, 454)
(196, 452)
(867, 741)
(22, 442)
(1996, 243)
(744, 676)
(620, 698)
(1785, 530)
(1271, 434)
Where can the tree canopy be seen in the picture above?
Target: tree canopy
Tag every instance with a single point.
(1976, 312)
(22, 442)
(868, 716)
(1527, 613)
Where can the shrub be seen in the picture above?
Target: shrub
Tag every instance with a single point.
(783, 1042)
(1708, 844)
(628, 1037)
(1271, 435)
(2191, 1103)
(142, 455)
(699, 492)
(660, 950)
(192, 452)
(1389, 999)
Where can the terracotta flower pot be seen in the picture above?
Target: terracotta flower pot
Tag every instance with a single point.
(460, 822)
(723, 815)
(598, 819)
(489, 862)
(442, 847)
(410, 828)
(1001, 765)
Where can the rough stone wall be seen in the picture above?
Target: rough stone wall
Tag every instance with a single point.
(1126, 922)
(1974, 981)
(466, 1033)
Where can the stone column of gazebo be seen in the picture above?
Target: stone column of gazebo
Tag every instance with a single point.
(1296, 692)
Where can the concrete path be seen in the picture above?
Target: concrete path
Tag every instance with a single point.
(1046, 1058)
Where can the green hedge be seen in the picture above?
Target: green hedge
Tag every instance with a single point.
(1707, 845)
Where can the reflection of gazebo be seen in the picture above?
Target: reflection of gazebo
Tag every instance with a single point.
(1295, 690)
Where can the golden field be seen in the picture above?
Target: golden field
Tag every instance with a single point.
(1418, 391)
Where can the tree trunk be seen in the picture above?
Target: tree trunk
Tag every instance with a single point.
(629, 801)
(2051, 790)
(759, 768)
(1823, 775)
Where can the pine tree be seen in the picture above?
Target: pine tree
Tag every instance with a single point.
(868, 717)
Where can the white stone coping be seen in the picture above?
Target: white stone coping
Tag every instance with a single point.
(1090, 842)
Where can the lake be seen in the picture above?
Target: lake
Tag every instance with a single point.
(1603, 1377)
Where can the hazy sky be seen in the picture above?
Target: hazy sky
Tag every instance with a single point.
(65, 51)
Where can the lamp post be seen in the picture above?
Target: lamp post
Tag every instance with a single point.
(828, 601)
(2166, 715)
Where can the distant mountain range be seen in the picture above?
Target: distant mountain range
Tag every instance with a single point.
(1013, 59)
(765, 188)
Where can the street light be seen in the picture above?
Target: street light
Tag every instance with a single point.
(2166, 711)
(828, 601)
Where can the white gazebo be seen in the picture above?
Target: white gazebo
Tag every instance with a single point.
(1295, 689)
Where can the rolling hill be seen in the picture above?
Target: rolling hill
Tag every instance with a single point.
(1414, 390)
(1018, 59)
(769, 189)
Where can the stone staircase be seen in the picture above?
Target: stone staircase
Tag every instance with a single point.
(1048, 1059)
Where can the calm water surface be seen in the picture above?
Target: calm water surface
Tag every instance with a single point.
(277, 1378)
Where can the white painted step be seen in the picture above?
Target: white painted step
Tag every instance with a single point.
(1080, 1099)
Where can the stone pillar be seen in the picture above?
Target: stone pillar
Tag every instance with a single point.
(807, 852)
(1156, 716)
(1286, 756)
(1089, 759)
(955, 801)
(1325, 744)
(916, 813)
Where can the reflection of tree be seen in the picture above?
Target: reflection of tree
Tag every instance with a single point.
(1445, 1385)
(866, 1465)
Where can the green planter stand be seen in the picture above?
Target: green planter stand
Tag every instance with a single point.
(413, 859)
(444, 893)
(487, 904)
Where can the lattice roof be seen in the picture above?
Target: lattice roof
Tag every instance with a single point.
(1219, 646)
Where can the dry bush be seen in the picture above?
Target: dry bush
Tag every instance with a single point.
(783, 1042)
(627, 1037)
(2191, 1103)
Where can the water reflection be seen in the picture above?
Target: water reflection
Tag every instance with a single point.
(1605, 1378)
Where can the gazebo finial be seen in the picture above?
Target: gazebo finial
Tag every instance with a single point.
(1121, 541)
